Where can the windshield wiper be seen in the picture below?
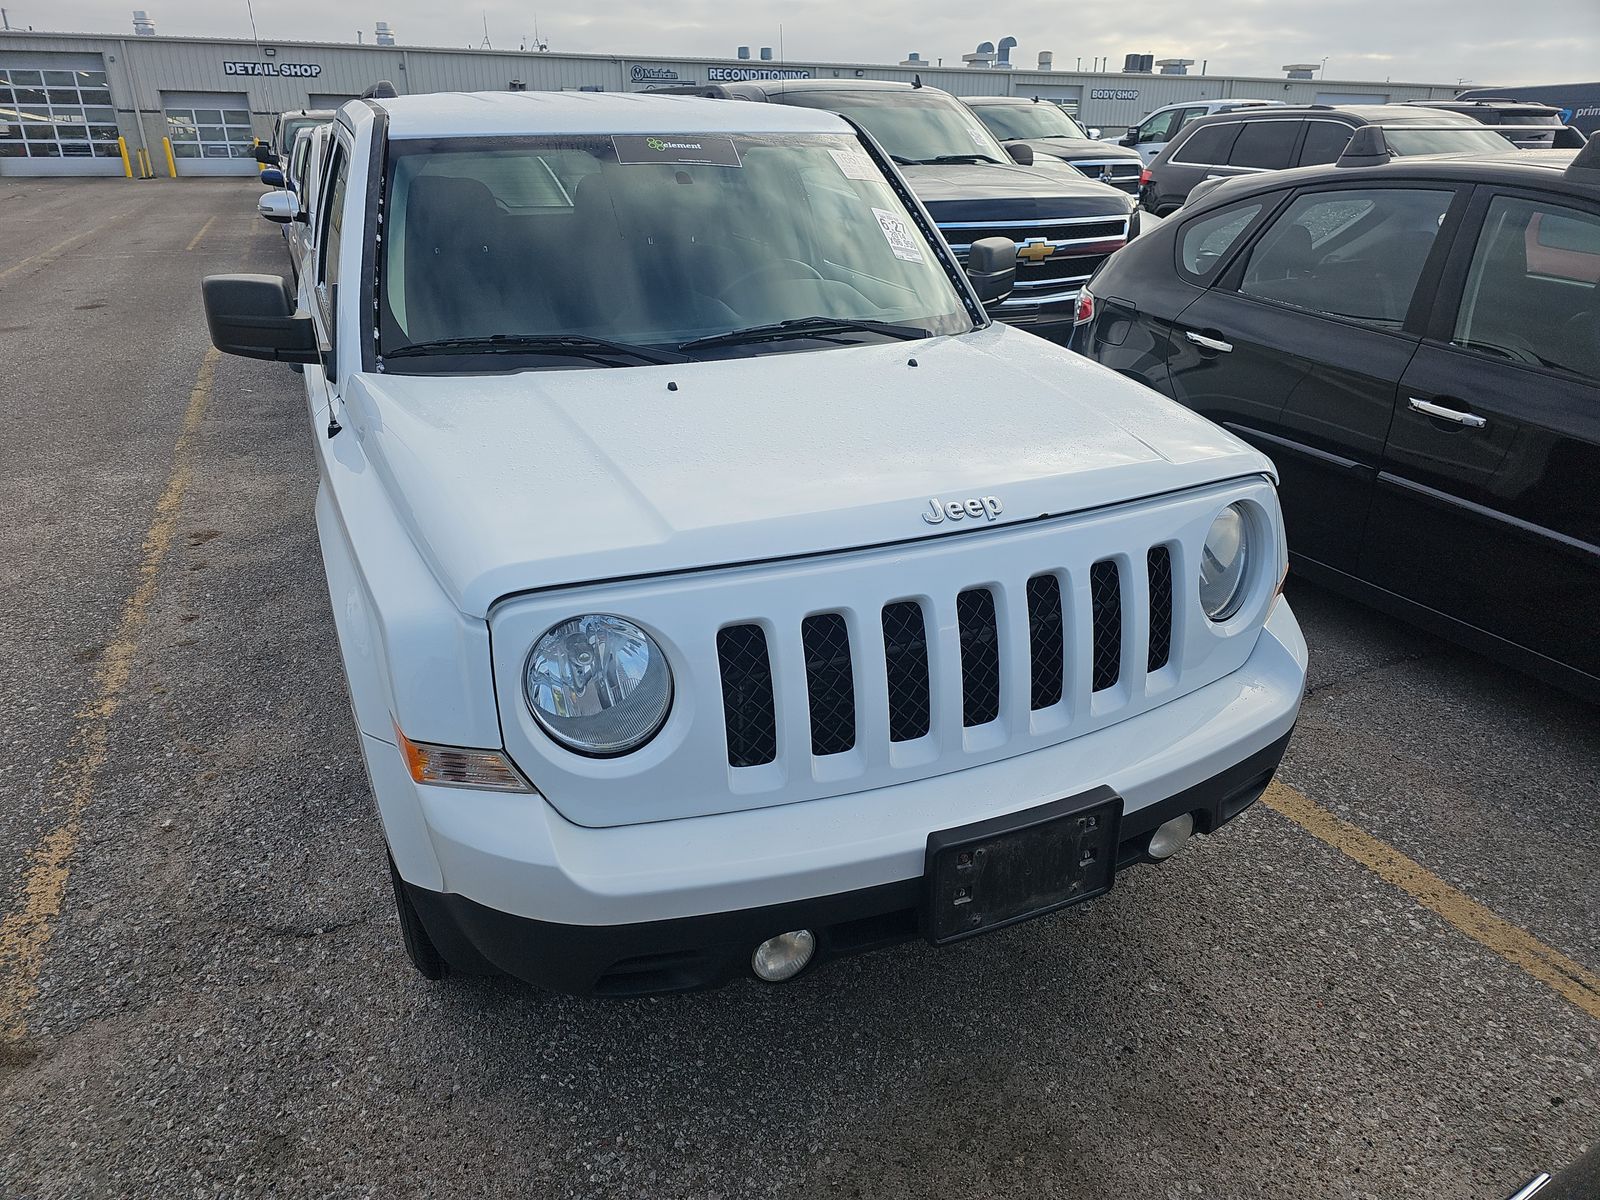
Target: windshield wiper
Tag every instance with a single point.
(571, 345)
(801, 327)
(950, 158)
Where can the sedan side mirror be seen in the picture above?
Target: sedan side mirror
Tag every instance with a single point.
(992, 268)
(273, 177)
(254, 316)
(277, 207)
(1021, 153)
(265, 155)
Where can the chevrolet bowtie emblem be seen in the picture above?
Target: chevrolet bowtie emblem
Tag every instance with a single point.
(1036, 251)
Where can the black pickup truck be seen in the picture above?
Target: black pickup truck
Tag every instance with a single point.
(1064, 226)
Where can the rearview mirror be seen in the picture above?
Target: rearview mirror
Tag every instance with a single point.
(1021, 154)
(265, 155)
(278, 207)
(254, 316)
(272, 177)
(992, 267)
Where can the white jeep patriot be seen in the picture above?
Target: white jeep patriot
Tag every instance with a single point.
(720, 590)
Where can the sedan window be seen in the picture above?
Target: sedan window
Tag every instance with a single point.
(1533, 291)
(1356, 253)
(1203, 244)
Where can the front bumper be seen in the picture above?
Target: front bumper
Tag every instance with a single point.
(596, 909)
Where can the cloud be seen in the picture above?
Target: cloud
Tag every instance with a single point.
(1552, 41)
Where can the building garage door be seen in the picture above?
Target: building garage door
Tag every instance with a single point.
(56, 116)
(210, 132)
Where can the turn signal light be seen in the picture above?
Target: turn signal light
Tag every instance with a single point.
(459, 766)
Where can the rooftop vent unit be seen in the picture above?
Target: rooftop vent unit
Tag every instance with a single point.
(913, 60)
(1047, 60)
(766, 54)
(1174, 66)
(982, 58)
(143, 26)
(382, 34)
(744, 51)
(1301, 70)
(1138, 64)
(1007, 45)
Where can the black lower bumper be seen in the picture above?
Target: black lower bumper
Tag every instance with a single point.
(707, 951)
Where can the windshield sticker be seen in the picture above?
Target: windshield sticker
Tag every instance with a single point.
(977, 137)
(899, 236)
(634, 149)
(853, 163)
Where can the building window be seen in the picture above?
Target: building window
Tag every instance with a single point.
(210, 133)
(56, 114)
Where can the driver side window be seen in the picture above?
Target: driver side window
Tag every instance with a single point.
(1159, 127)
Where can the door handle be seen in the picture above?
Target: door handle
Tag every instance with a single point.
(1209, 343)
(1454, 416)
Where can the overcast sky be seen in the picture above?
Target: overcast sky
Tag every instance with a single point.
(1482, 41)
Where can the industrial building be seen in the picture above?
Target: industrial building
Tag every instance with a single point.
(66, 99)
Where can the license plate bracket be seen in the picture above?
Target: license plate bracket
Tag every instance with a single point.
(997, 872)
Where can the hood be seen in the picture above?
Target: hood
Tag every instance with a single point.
(1011, 191)
(509, 483)
(1072, 149)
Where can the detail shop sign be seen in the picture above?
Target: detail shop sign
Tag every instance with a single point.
(275, 69)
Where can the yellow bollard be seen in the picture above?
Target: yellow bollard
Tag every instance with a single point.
(122, 149)
(172, 166)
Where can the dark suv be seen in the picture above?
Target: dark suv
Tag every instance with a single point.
(1417, 345)
(1255, 140)
(1048, 131)
(1523, 123)
(1064, 226)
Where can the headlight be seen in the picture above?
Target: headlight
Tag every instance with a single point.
(1224, 563)
(598, 685)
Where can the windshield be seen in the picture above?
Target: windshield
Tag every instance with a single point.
(646, 242)
(1466, 140)
(913, 125)
(1039, 120)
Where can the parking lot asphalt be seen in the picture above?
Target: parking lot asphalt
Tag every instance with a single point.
(202, 990)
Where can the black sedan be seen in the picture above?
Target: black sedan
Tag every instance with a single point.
(1417, 345)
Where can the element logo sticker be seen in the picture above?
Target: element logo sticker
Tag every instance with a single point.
(636, 149)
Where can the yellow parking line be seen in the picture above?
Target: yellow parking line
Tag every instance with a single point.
(1568, 979)
(195, 241)
(25, 932)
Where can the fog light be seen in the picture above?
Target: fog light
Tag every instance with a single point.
(1164, 842)
(785, 956)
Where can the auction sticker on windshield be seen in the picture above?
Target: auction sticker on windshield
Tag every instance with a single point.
(853, 163)
(899, 236)
(634, 149)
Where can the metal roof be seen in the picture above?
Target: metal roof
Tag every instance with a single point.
(475, 114)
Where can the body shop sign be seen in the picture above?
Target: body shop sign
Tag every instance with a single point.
(274, 69)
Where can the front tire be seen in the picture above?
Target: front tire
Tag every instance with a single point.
(424, 955)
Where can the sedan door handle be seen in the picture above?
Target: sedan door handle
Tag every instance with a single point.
(1209, 343)
(1455, 416)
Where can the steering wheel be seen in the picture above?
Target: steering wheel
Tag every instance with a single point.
(787, 268)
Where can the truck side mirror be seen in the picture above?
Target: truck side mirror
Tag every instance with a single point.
(253, 316)
(992, 267)
(1131, 138)
(1021, 153)
(272, 177)
(277, 207)
(1094, 132)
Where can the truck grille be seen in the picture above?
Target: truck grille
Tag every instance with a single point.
(748, 685)
(1124, 172)
(1077, 245)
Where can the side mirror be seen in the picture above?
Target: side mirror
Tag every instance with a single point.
(273, 177)
(277, 207)
(1021, 153)
(265, 155)
(1131, 138)
(992, 268)
(1094, 132)
(253, 316)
